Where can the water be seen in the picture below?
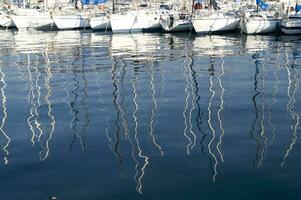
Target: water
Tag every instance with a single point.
(149, 116)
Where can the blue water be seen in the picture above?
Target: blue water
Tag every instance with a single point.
(149, 116)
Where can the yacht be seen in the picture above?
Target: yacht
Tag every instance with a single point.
(258, 23)
(72, 20)
(144, 18)
(214, 21)
(292, 24)
(209, 18)
(33, 18)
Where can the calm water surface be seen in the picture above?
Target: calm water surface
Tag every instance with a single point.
(149, 116)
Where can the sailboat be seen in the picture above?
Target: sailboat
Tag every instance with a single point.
(143, 18)
(209, 18)
(100, 20)
(5, 19)
(292, 24)
(258, 22)
(35, 17)
(75, 18)
(177, 20)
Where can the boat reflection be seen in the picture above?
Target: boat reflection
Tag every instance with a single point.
(217, 45)
(252, 44)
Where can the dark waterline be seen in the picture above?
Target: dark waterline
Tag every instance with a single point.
(149, 116)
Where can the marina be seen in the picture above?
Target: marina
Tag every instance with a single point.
(150, 100)
(200, 17)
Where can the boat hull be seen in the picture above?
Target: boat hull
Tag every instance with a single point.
(33, 22)
(6, 21)
(71, 22)
(134, 22)
(258, 26)
(178, 26)
(291, 27)
(213, 25)
(100, 23)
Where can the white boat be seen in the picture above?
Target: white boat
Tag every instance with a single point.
(39, 20)
(142, 19)
(212, 21)
(5, 20)
(75, 21)
(100, 21)
(176, 22)
(292, 24)
(258, 23)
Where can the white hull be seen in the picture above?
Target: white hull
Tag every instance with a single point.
(215, 23)
(43, 21)
(6, 21)
(134, 21)
(176, 26)
(72, 22)
(291, 27)
(100, 23)
(258, 26)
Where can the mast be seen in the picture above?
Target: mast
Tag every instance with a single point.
(45, 5)
(257, 7)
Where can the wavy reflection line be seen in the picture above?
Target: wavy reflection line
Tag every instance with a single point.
(221, 107)
(30, 99)
(275, 91)
(262, 128)
(73, 108)
(49, 113)
(117, 109)
(3, 121)
(79, 109)
(256, 120)
(85, 107)
(199, 115)
(186, 110)
(140, 154)
(190, 64)
(121, 107)
(124, 119)
(153, 111)
(212, 130)
(291, 91)
(38, 124)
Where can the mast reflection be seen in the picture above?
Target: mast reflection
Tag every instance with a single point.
(293, 86)
(138, 177)
(79, 110)
(221, 107)
(45, 152)
(209, 121)
(154, 107)
(4, 117)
